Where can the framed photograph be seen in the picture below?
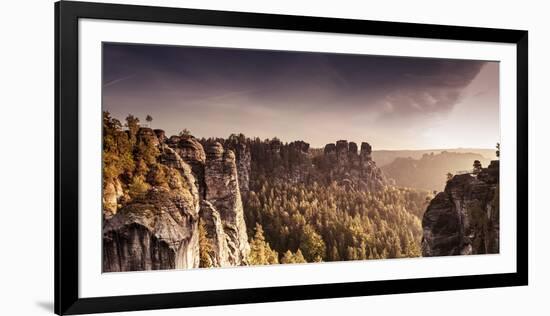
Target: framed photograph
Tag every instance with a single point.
(208, 157)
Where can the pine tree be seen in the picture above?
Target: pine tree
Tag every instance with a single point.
(299, 257)
(312, 245)
(287, 257)
(205, 247)
(260, 251)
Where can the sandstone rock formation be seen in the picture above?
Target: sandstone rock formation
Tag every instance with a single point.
(464, 219)
(219, 256)
(366, 151)
(222, 190)
(192, 152)
(243, 162)
(329, 149)
(159, 228)
(352, 148)
(156, 231)
(275, 146)
(161, 135)
(112, 192)
(147, 136)
(352, 169)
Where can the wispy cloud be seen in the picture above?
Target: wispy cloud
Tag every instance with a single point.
(118, 80)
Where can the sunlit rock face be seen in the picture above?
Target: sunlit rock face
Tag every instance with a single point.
(112, 193)
(220, 253)
(159, 228)
(192, 152)
(464, 218)
(222, 191)
(156, 231)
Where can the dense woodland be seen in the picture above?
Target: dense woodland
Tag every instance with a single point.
(330, 223)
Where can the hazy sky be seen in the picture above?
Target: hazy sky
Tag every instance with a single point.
(391, 102)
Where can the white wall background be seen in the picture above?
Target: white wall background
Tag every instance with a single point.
(26, 159)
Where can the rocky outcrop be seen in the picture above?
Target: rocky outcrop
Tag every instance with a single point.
(158, 228)
(155, 231)
(464, 218)
(352, 149)
(329, 149)
(243, 162)
(299, 146)
(147, 136)
(366, 151)
(222, 190)
(112, 192)
(275, 146)
(350, 168)
(219, 254)
(161, 135)
(191, 151)
(342, 152)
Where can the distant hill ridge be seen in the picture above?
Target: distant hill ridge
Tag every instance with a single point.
(385, 157)
(430, 171)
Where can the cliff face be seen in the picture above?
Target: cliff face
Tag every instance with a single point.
(222, 191)
(219, 253)
(243, 161)
(464, 219)
(158, 228)
(156, 232)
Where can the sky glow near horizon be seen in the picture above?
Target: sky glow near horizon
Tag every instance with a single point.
(390, 102)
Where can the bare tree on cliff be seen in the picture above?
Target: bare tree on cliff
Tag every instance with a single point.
(149, 119)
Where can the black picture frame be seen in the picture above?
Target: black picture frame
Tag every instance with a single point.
(67, 15)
